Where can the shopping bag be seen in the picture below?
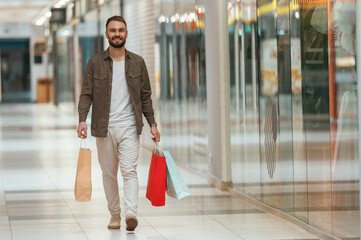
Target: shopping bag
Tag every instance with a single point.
(83, 184)
(157, 179)
(176, 186)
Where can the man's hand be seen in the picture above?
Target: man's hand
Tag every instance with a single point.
(82, 130)
(154, 131)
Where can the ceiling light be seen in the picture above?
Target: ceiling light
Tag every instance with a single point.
(40, 21)
(183, 18)
(191, 17)
(61, 3)
(48, 14)
(162, 19)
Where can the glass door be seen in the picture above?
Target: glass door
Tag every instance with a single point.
(15, 70)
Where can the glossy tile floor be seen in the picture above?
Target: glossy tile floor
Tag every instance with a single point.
(39, 151)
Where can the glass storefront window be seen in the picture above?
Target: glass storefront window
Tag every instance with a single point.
(294, 109)
(344, 124)
(65, 64)
(90, 37)
(180, 81)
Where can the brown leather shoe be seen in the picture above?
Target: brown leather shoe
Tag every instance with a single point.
(132, 223)
(114, 222)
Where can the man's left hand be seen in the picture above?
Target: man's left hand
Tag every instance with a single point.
(154, 131)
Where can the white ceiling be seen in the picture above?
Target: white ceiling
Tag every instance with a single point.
(23, 10)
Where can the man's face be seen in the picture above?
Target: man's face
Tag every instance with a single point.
(116, 33)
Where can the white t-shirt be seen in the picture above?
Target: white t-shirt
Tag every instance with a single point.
(121, 108)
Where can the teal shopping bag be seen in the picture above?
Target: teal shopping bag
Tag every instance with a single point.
(176, 187)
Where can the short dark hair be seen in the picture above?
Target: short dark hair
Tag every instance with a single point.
(115, 18)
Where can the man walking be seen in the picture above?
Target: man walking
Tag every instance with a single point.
(116, 83)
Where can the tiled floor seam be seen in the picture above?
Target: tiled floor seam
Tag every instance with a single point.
(202, 211)
(229, 229)
(139, 215)
(6, 204)
(66, 204)
(76, 219)
(280, 215)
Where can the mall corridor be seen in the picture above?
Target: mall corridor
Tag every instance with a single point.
(39, 149)
(258, 102)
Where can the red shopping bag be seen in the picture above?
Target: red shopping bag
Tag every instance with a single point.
(157, 180)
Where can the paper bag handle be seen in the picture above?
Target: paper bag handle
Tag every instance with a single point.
(81, 141)
(157, 150)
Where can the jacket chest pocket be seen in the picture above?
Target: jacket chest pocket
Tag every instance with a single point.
(100, 83)
(135, 81)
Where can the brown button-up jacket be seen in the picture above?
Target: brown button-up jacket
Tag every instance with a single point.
(97, 88)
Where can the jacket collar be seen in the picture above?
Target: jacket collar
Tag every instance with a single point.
(106, 54)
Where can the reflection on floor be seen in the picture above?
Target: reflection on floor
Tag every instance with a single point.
(38, 161)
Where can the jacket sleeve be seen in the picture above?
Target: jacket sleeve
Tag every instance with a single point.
(147, 105)
(86, 95)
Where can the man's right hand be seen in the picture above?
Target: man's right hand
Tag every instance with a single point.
(82, 130)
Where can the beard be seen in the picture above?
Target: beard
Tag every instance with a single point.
(117, 45)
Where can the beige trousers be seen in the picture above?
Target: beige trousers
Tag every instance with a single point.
(120, 148)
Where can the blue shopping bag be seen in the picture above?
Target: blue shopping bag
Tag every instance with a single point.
(176, 187)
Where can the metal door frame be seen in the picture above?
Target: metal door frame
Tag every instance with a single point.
(358, 57)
